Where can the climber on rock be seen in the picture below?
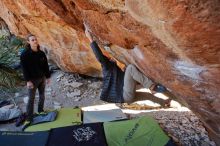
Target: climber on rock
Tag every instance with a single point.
(118, 85)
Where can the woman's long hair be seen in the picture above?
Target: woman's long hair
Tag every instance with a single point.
(27, 45)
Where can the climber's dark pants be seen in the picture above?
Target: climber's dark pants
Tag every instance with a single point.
(40, 85)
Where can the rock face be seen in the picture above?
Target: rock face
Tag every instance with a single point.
(176, 43)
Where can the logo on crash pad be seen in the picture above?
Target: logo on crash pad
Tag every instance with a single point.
(83, 134)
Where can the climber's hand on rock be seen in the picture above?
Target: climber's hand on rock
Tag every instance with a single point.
(88, 35)
(30, 85)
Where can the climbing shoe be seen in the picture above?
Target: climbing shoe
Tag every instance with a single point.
(26, 124)
(159, 88)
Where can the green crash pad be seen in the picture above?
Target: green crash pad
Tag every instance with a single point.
(143, 131)
(65, 117)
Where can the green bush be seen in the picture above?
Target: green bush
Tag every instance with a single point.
(9, 78)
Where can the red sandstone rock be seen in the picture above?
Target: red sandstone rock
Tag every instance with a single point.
(176, 43)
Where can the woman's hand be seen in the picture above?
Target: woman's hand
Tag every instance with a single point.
(30, 85)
